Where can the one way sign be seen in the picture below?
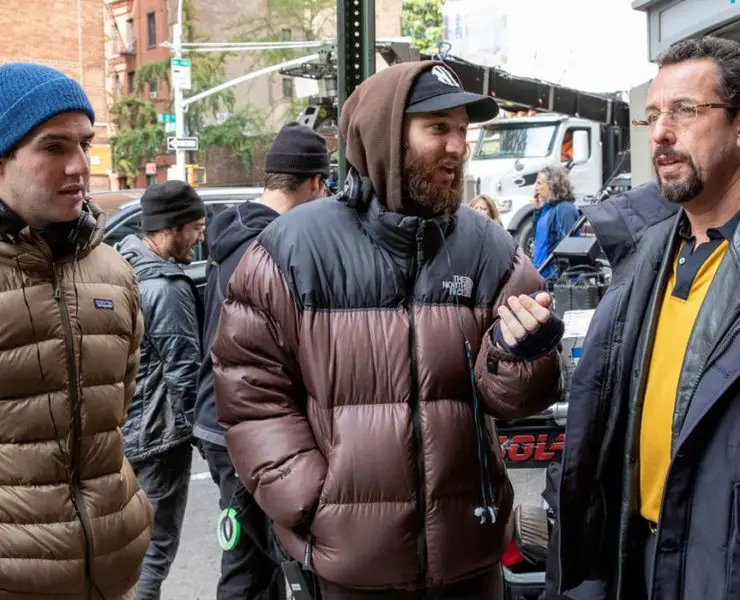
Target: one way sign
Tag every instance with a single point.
(184, 143)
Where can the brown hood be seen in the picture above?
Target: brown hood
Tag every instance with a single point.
(372, 125)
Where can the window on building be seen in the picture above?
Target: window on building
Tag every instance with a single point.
(288, 88)
(131, 80)
(117, 89)
(286, 35)
(114, 48)
(151, 180)
(153, 90)
(130, 36)
(151, 30)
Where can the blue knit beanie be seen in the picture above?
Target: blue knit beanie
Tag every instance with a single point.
(32, 94)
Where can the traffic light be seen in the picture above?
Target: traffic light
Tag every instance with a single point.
(196, 175)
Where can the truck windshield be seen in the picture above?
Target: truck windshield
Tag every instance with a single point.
(517, 140)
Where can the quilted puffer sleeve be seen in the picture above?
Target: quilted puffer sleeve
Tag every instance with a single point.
(259, 392)
(512, 387)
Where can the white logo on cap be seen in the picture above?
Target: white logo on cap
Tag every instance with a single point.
(444, 76)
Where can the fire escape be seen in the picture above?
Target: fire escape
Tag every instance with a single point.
(122, 60)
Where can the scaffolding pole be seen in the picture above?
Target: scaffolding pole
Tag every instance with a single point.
(355, 55)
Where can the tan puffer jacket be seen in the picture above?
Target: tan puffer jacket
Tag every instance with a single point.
(73, 521)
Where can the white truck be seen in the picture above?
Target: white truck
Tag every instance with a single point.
(551, 125)
(509, 153)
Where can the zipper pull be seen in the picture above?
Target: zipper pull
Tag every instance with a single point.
(55, 281)
(307, 552)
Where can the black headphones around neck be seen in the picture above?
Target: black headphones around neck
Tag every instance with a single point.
(63, 238)
(357, 191)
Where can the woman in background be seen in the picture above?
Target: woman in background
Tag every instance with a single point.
(555, 213)
(487, 206)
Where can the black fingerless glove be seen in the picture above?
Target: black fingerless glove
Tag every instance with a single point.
(533, 345)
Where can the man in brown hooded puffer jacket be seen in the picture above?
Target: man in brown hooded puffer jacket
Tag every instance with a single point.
(73, 522)
(364, 345)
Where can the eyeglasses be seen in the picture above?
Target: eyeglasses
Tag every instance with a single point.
(679, 113)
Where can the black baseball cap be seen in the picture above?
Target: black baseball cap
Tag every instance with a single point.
(439, 89)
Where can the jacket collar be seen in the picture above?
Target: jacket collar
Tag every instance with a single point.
(31, 253)
(717, 318)
(718, 315)
(621, 221)
(726, 232)
(406, 235)
(147, 264)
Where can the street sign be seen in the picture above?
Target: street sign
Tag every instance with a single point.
(170, 126)
(180, 69)
(185, 143)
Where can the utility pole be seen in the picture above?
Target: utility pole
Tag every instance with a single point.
(355, 55)
(179, 170)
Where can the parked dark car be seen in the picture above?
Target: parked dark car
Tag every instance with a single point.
(125, 219)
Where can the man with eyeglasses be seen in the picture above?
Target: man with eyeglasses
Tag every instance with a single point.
(650, 489)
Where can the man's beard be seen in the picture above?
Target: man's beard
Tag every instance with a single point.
(428, 199)
(679, 192)
(181, 251)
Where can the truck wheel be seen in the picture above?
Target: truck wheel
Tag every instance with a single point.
(525, 237)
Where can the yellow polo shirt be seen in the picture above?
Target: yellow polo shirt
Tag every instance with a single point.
(688, 284)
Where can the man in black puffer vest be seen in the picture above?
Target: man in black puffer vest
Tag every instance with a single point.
(295, 171)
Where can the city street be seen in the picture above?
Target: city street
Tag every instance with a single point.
(195, 572)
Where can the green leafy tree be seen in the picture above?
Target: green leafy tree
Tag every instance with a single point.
(241, 133)
(207, 71)
(139, 137)
(421, 20)
(285, 20)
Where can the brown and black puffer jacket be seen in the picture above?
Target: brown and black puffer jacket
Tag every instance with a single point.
(74, 523)
(342, 378)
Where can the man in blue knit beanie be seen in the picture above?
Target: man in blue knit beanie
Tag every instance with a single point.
(74, 520)
(37, 101)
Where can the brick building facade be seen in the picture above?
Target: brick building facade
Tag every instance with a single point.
(70, 38)
(269, 94)
(134, 32)
(272, 94)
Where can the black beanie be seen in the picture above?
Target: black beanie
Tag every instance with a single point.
(298, 150)
(170, 204)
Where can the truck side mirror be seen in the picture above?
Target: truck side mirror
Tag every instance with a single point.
(580, 147)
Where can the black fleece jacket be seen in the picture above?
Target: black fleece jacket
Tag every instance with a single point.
(228, 237)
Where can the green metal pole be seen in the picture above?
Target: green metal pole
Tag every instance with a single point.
(367, 22)
(355, 56)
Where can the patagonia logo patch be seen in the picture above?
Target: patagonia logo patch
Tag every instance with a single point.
(103, 303)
